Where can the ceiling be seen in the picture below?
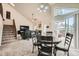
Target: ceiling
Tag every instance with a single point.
(27, 9)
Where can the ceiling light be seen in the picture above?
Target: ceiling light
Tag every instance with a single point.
(44, 10)
(46, 7)
(38, 8)
(42, 6)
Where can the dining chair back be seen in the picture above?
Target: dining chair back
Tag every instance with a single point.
(46, 46)
(68, 40)
(66, 45)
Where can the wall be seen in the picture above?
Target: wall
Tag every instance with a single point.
(27, 9)
(1, 28)
(8, 22)
(19, 19)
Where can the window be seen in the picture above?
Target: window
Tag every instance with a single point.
(69, 24)
(8, 15)
(62, 11)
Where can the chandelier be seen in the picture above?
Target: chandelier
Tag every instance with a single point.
(43, 7)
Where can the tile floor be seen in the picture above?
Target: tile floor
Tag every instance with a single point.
(24, 48)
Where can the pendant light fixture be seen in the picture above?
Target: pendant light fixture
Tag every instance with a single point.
(43, 7)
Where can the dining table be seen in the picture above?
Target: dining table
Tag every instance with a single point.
(53, 42)
(48, 42)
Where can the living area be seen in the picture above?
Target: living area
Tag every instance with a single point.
(38, 29)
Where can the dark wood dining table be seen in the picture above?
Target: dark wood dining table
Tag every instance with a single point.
(48, 42)
(41, 41)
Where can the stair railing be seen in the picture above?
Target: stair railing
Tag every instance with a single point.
(14, 25)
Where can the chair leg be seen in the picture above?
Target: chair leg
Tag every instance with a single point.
(55, 52)
(68, 53)
(33, 49)
(64, 53)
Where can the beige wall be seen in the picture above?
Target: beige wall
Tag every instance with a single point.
(19, 19)
(27, 9)
(8, 22)
(1, 28)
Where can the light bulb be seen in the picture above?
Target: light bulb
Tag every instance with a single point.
(46, 7)
(44, 10)
(38, 8)
(42, 6)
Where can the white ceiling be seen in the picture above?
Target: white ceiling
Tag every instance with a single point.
(27, 9)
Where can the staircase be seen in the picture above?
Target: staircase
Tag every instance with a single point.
(8, 35)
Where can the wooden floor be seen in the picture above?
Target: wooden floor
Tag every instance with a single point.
(24, 48)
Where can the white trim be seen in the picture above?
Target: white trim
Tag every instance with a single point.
(77, 30)
(12, 4)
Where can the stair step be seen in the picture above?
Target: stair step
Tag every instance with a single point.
(7, 28)
(8, 37)
(8, 34)
(8, 41)
(5, 39)
(8, 31)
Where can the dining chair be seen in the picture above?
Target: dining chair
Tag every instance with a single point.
(45, 46)
(35, 40)
(24, 32)
(49, 33)
(66, 45)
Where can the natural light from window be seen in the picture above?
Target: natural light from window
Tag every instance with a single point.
(62, 11)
